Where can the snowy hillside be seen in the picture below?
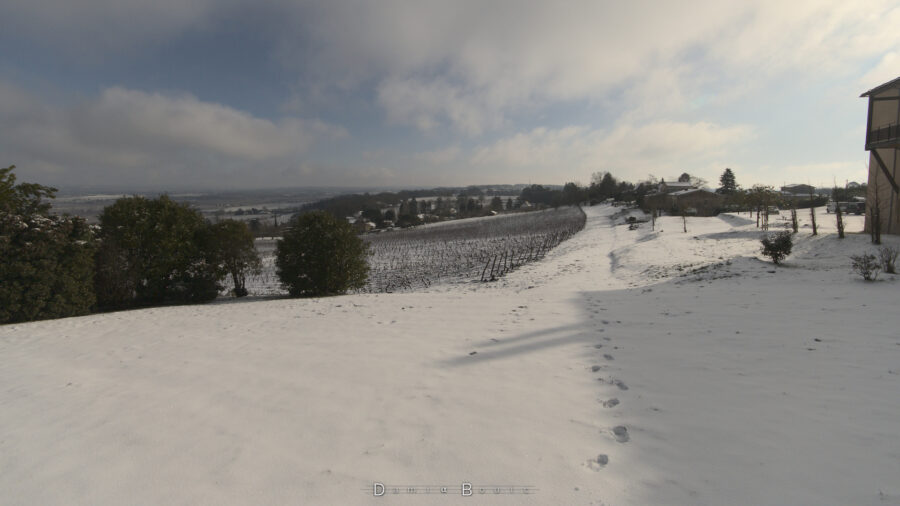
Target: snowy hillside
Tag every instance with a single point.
(627, 367)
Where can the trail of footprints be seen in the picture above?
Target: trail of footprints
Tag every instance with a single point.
(619, 432)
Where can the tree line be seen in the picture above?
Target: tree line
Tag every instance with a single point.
(148, 252)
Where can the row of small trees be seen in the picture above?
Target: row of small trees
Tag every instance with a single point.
(148, 252)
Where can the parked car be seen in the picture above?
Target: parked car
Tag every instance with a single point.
(846, 207)
(856, 207)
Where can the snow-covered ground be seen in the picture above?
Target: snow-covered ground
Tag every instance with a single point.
(627, 367)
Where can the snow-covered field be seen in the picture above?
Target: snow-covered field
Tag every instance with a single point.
(627, 367)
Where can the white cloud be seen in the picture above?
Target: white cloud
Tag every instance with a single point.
(659, 72)
(628, 151)
(430, 104)
(470, 64)
(473, 64)
(820, 174)
(130, 136)
(886, 70)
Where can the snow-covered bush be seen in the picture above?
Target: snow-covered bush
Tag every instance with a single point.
(777, 246)
(866, 265)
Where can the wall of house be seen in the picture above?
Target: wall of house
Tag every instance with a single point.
(659, 201)
(705, 203)
(879, 188)
(885, 113)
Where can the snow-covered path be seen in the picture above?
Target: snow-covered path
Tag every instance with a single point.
(703, 375)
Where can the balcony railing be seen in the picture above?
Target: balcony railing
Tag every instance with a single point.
(887, 136)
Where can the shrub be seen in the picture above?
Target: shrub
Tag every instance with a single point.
(151, 252)
(320, 255)
(777, 246)
(888, 257)
(866, 265)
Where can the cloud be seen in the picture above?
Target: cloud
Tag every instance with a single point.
(129, 136)
(628, 151)
(428, 105)
(655, 86)
(886, 70)
(820, 174)
(472, 66)
(87, 27)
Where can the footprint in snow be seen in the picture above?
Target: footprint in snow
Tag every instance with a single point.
(607, 356)
(621, 433)
(613, 381)
(597, 463)
(611, 403)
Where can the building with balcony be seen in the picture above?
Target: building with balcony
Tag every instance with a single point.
(883, 145)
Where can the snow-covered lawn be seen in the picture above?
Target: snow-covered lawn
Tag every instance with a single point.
(627, 367)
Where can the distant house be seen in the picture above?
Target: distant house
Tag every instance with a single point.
(798, 189)
(362, 226)
(675, 186)
(661, 198)
(883, 145)
(695, 201)
(699, 201)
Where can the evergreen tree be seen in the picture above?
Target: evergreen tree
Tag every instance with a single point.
(151, 252)
(46, 262)
(572, 194)
(320, 255)
(727, 183)
(777, 246)
(24, 199)
(607, 186)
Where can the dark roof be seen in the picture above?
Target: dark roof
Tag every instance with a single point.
(878, 89)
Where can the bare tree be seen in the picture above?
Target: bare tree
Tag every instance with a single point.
(838, 215)
(875, 217)
(794, 224)
(812, 213)
(888, 256)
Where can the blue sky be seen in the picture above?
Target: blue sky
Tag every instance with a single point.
(167, 94)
